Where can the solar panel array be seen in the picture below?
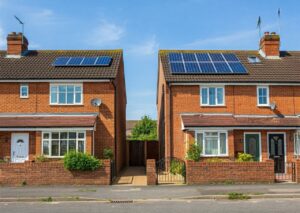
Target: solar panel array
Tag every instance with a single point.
(82, 61)
(205, 63)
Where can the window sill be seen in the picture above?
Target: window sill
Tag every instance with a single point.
(214, 156)
(24, 97)
(264, 106)
(66, 104)
(213, 105)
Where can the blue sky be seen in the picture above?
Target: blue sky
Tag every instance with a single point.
(141, 28)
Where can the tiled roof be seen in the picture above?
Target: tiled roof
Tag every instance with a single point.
(285, 70)
(232, 121)
(38, 65)
(47, 121)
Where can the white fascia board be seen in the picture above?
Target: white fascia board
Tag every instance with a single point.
(234, 83)
(48, 115)
(46, 129)
(55, 81)
(241, 128)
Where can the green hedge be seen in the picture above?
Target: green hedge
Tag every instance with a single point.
(81, 161)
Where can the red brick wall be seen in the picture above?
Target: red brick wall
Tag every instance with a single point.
(297, 171)
(237, 172)
(151, 172)
(47, 173)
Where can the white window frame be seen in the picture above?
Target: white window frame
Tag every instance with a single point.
(50, 142)
(203, 142)
(57, 98)
(268, 95)
(216, 94)
(27, 89)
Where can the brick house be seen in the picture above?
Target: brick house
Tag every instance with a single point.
(230, 102)
(52, 101)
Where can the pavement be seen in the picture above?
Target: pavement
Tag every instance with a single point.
(212, 206)
(132, 176)
(117, 193)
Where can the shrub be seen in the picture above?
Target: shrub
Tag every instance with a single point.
(40, 158)
(238, 196)
(81, 161)
(177, 167)
(244, 157)
(194, 152)
(108, 154)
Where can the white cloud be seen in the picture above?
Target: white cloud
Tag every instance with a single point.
(148, 47)
(106, 33)
(227, 40)
(42, 16)
(2, 39)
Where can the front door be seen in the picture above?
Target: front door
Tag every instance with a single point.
(19, 147)
(252, 145)
(276, 151)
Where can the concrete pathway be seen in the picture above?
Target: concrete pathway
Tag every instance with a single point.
(132, 176)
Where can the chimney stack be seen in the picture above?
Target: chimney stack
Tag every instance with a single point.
(270, 46)
(16, 44)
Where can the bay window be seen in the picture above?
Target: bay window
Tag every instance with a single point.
(212, 143)
(66, 94)
(57, 144)
(212, 96)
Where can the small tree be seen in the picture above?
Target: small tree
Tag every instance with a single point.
(194, 152)
(145, 130)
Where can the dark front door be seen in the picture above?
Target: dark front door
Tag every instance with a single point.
(136, 153)
(276, 151)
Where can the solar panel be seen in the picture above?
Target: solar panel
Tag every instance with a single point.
(222, 67)
(177, 67)
(103, 60)
(175, 57)
(237, 67)
(189, 57)
(202, 57)
(89, 61)
(216, 57)
(75, 61)
(61, 61)
(192, 68)
(205, 63)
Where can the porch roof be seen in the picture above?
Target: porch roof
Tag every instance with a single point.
(46, 121)
(231, 121)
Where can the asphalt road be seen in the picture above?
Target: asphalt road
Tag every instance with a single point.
(262, 205)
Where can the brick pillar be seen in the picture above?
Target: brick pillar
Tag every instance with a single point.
(38, 143)
(89, 142)
(231, 144)
(297, 171)
(151, 172)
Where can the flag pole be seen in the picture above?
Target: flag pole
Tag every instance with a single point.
(279, 14)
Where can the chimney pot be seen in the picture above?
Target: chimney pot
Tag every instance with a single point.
(267, 33)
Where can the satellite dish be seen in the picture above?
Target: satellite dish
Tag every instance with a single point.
(96, 102)
(273, 106)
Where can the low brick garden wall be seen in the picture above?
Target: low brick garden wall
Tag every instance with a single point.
(151, 172)
(233, 172)
(47, 173)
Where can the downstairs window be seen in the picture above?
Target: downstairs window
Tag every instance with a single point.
(57, 144)
(212, 143)
(297, 143)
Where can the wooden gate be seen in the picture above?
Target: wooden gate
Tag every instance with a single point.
(136, 153)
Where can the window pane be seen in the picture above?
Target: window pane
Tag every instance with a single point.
(62, 89)
(78, 89)
(204, 96)
(53, 94)
(260, 92)
(62, 98)
(80, 135)
(220, 95)
(80, 146)
(63, 135)
(297, 144)
(46, 135)
(24, 91)
(212, 96)
(223, 143)
(211, 134)
(72, 145)
(55, 135)
(46, 147)
(70, 98)
(70, 89)
(63, 147)
(54, 148)
(211, 146)
(72, 135)
(200, 141)
(78, 98)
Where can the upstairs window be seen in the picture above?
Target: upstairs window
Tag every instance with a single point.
(212, 96)
(263, 96)
(65, 94)
(24, 91)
